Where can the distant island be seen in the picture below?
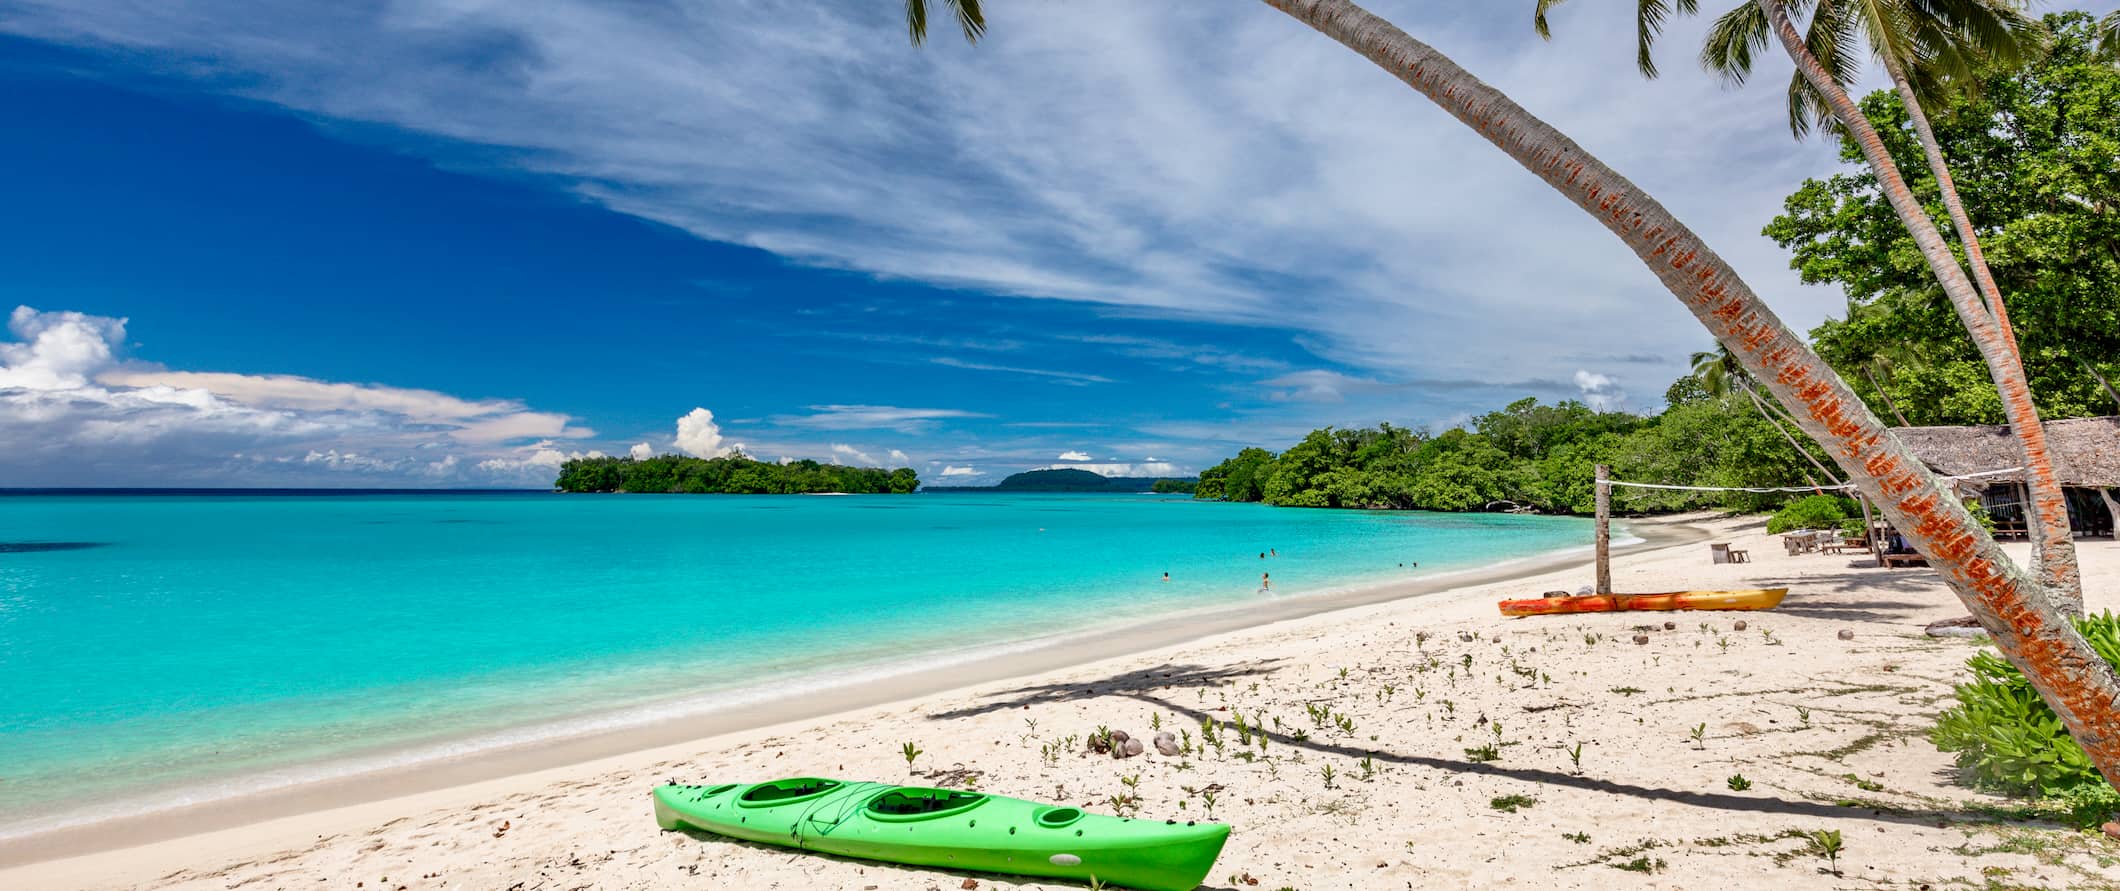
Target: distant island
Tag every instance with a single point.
(1069, 480)
(732, 475)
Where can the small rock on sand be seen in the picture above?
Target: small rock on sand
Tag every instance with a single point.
(1739, 626)
(1641, 639)
(1846, 634)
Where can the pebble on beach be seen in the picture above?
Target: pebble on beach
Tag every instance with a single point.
(1740, 626)
(1846, 634)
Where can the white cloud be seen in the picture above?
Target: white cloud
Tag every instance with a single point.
(641, 451)
(1174, 159)
(1600, 391)
(700, 437)
(58, 350)
(1075, 456)
(842, 450)
(900, 457)
(540, 460)
(73, 411)
(953, 470)
(1115, 468)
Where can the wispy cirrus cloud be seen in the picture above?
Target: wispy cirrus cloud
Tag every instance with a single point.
(1193, 161)
(870, 417)
(1076, 378)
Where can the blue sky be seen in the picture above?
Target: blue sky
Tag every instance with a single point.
(451, 243)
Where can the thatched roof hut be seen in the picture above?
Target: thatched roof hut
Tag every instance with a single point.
(2086, 450)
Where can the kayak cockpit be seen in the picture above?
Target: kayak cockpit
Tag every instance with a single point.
(789, 791)
(909, 803)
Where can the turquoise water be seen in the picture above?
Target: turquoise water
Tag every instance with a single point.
(214, 643)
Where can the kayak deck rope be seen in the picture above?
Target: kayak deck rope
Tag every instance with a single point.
(856, 795)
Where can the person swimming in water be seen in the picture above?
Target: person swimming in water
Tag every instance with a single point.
(1166, 576)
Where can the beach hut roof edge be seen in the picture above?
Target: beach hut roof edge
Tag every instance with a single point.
(2086, 450)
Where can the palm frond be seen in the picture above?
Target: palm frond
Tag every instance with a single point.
(970, 19)
(1649, 19)
(1538, 17)
(2109, 37)
(1732, 41)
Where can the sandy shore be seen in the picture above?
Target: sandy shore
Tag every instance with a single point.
(1827, 732)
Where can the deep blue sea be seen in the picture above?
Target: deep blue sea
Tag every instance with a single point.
(209, 644)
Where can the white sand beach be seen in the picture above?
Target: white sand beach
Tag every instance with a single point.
(1829, 734)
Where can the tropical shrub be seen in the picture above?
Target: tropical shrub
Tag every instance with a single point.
(2008, 739)
(1812, 512)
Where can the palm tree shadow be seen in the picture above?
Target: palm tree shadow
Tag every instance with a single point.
(1137, 685)
(1145, 687)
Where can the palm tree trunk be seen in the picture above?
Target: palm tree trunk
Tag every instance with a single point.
(2102, 382)
(2054, 549)
(2081, 687)
(1775, 422)
(1888, 403)
(1955, 208)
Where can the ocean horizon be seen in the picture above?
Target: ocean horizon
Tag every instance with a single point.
(188, 646)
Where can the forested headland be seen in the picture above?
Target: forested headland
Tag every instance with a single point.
(731, 475)
(2033, 155)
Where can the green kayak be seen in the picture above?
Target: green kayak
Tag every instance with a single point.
(949, 828)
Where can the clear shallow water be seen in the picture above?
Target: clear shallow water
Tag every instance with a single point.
(223, 642)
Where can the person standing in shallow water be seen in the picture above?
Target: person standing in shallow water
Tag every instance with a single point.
(1265, 581)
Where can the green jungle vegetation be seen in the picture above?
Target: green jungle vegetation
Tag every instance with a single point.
(731, 475)
(2033, 154)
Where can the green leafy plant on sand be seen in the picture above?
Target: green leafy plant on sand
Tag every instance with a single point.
(1738, 783)
(2008, 740)
(1814, 512)
(1826, 843)
(1509, 804)
(910, 752)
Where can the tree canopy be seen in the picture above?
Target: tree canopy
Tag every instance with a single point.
(2032, 152)
(1529, 454)
(731, 475)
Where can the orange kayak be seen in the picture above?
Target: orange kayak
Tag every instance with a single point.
(1755, 598)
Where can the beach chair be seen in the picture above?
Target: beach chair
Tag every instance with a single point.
(1721, 552)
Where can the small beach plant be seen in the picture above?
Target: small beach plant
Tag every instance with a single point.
(910, 752)
(1738, 783)
(1326, 772)
(1575, 756)
(1826, 843)
(1369, 768)
(1483, 753)
(1700, 735)
(1509, 804)
(1803, 714)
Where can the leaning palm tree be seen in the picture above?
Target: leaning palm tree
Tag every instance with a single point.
(1922, 44)
(2012, 606)
(2109, 37)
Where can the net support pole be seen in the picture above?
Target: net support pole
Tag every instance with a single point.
(1604, 530)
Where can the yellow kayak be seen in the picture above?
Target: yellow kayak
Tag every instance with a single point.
(1751, 598)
